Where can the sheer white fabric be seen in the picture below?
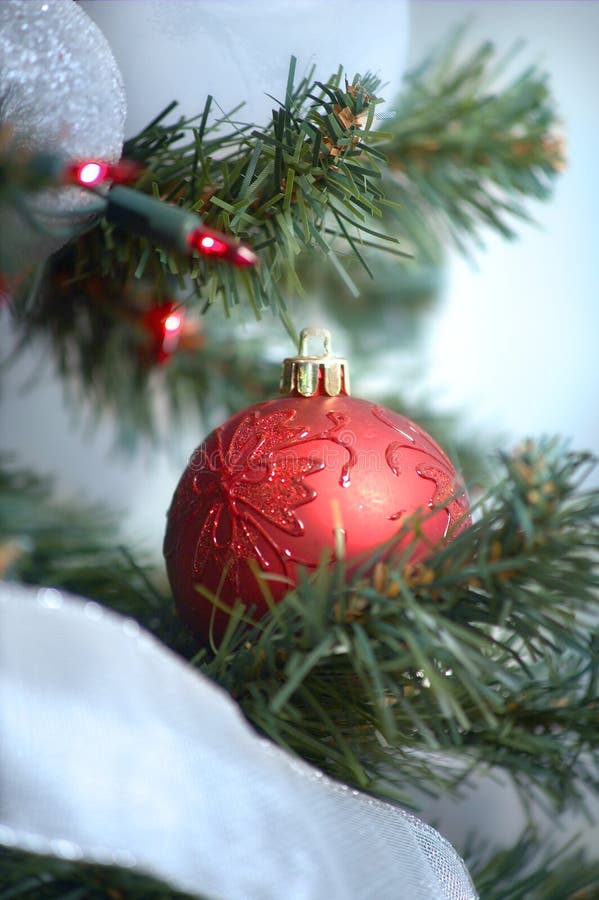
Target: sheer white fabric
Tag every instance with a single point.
(115, 751)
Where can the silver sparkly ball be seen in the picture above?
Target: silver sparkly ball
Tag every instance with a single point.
(60, 91)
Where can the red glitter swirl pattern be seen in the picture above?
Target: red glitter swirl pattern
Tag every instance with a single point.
(237, 493)
(447, 494)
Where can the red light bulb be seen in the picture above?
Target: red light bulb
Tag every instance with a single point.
(244, 256)
(215, 243)
(173, 323)
(211, 245)
(163, 325)
(125, 171)
(90, 173)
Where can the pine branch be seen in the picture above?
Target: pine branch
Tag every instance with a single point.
(465, 151)
(485, 655)
(108, 367)
(77, 549)
(533, 869)
(273, 188)
(30, 877)
(317, 184)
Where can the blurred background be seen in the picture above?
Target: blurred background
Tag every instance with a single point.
(511, 344)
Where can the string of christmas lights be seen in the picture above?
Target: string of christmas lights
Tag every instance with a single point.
(165, 223)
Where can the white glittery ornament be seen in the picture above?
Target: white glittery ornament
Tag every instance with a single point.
(60, 91)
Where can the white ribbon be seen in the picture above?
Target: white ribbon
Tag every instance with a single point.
(116, 751)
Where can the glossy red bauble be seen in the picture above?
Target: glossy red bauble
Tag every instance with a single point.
(274, 481)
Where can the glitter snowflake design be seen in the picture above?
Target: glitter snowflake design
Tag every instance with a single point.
(240, 497)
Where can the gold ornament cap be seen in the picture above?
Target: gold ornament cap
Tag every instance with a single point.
(308, 375)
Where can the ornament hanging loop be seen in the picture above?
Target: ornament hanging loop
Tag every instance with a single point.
(307, 333)
(305, 375)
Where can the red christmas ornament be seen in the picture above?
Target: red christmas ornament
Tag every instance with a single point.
(274, 483)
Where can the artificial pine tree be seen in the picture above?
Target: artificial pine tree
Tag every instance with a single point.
(398, 677)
